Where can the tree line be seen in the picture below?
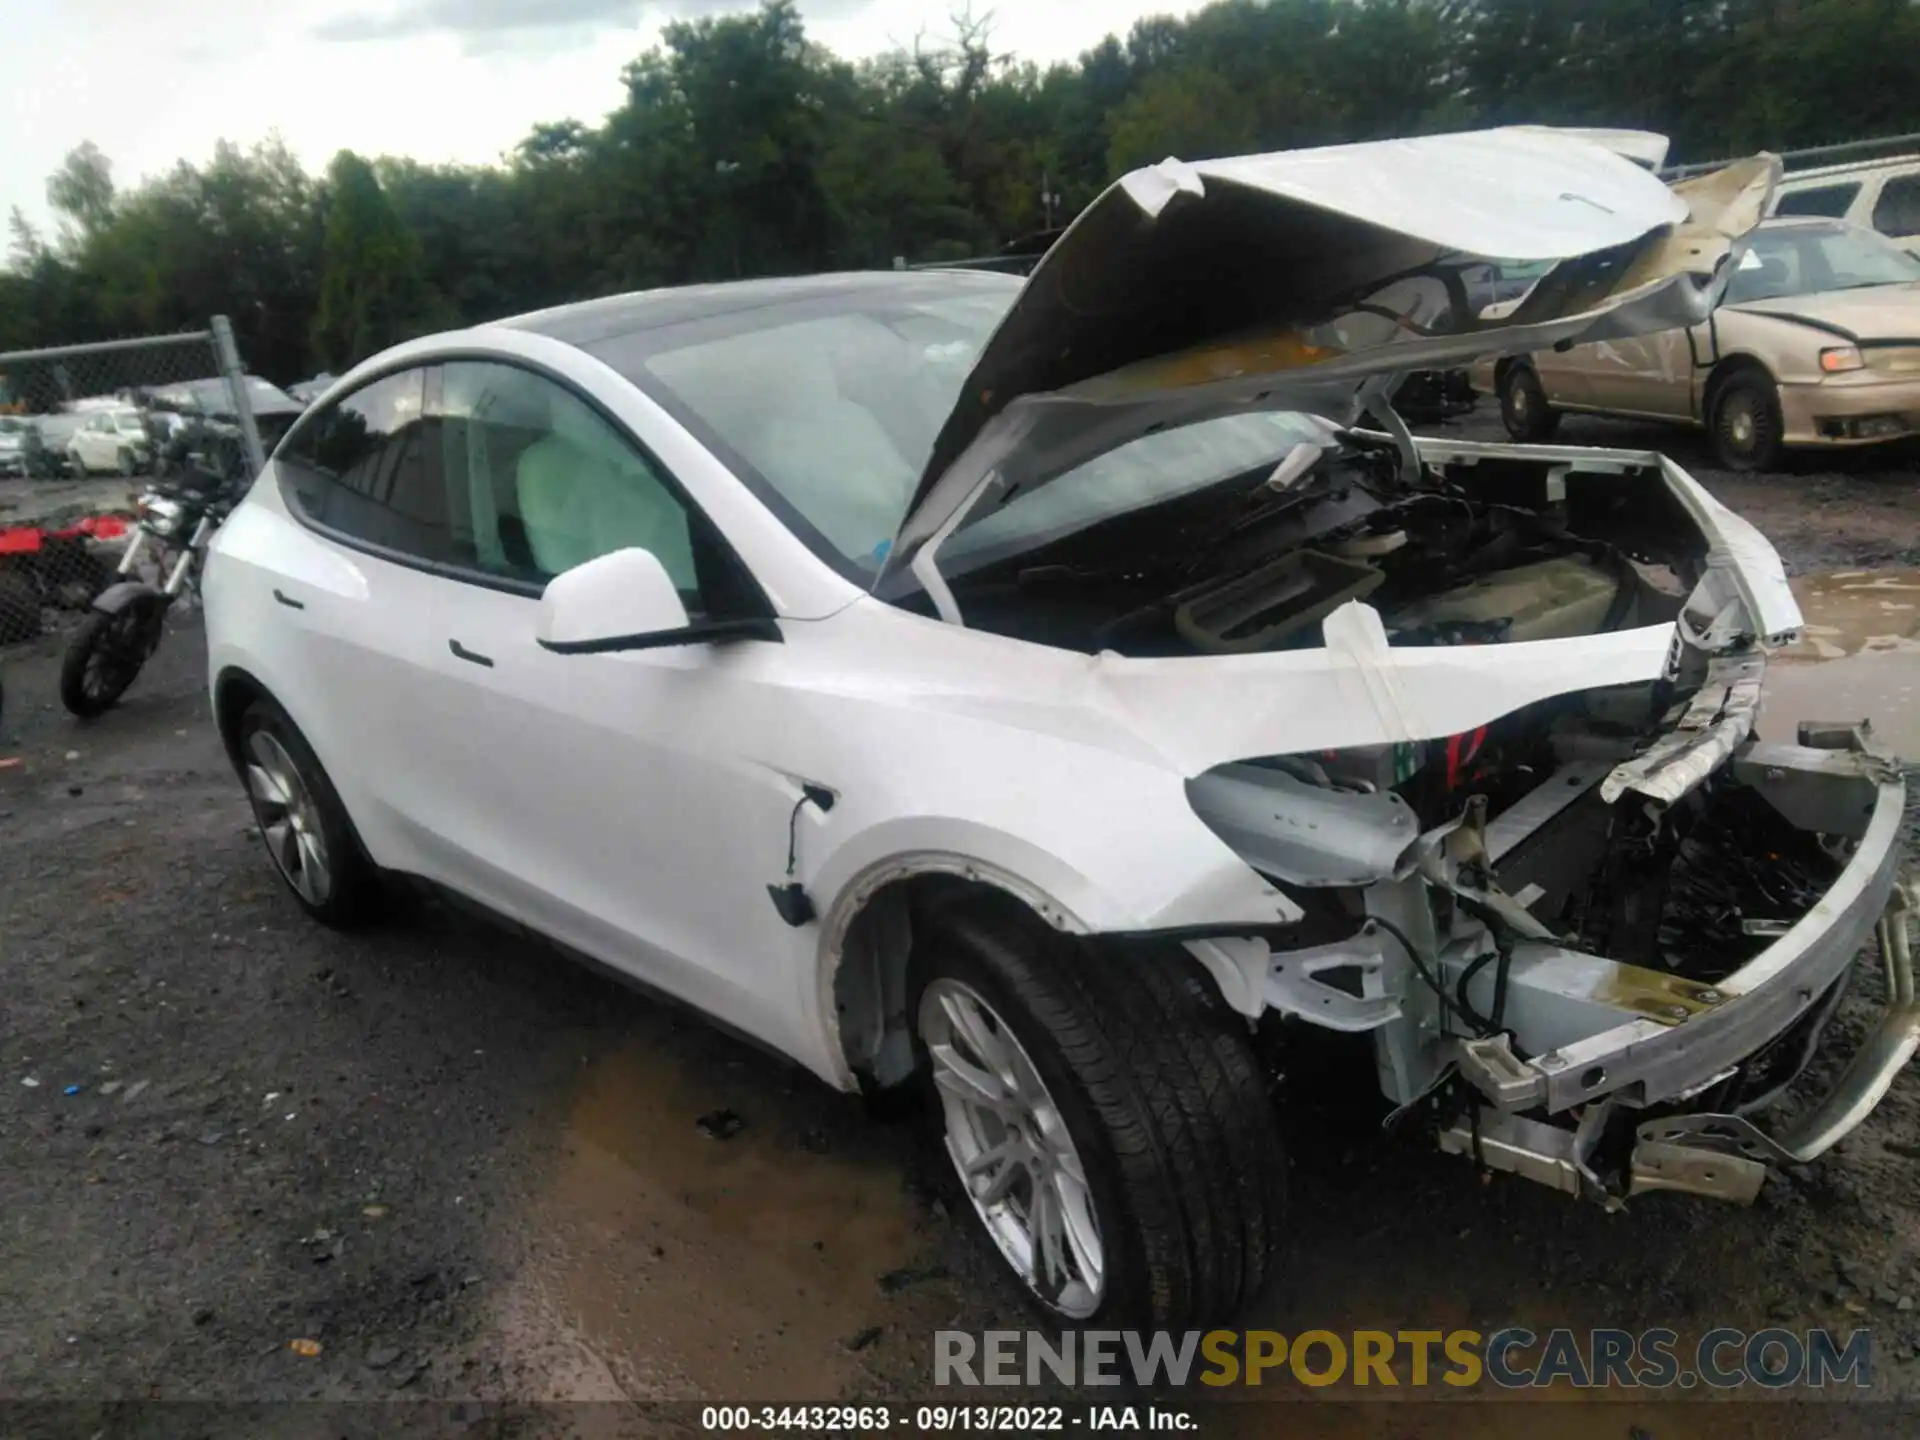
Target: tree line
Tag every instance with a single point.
(743, 148)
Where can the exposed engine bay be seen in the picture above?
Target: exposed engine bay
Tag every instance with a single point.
(1523, 951)
(1257, 561)
(1600, 931)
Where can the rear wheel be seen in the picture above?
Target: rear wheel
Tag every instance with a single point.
(305, 828)
(1524, 408)
(1746, 422)
(105, 657)
(1106, 1118)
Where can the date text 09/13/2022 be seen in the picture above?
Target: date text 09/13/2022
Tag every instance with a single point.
(932, 1419)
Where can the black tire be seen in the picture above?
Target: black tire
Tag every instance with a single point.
(19, 607)
(1160, 1091)
(1524, 408)
(1744, 421)
(104, 657)
(353, 893)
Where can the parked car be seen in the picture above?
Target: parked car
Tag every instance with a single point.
(111, 442)
(56, 438)
(1881, 195)
(22, 450)
(944, 680)
(273, 409)
(1817, 343)
(308, 391)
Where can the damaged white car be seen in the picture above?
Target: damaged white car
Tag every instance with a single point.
(1043, 690)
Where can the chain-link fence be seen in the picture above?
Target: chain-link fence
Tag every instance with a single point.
(83, 428)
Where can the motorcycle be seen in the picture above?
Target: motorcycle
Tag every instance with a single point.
(175, 522)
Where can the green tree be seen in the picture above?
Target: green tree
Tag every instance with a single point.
(81, 191)
(372, 293)
(1187, 112)
(744, 148)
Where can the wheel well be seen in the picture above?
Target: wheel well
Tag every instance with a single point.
(1724, 371)
(233, 691)
(873, 982)
(1506, 366)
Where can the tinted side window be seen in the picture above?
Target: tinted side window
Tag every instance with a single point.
(1897, 212)
(1828, 200)
(538, 482)
(362, 467)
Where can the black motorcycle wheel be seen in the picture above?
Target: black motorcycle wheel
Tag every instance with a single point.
(104, 658)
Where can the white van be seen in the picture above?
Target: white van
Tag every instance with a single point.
(1883, 195)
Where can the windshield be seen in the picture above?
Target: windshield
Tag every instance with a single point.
(1148, 471)
(834, 410)
(1808, 259)
(829, 411)
(10, 426)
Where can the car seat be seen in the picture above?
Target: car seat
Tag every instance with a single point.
(582, 492)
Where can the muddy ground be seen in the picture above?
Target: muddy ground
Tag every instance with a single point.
(465, 1168)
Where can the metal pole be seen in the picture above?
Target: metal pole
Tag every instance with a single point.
(104, 347)
(1814, 152)
(230, 366)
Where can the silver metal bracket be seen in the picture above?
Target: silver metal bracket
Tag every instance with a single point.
(1489, 1064)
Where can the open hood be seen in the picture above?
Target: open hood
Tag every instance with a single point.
(1311, 279)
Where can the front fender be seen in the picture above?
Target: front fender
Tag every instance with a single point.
(128, 595)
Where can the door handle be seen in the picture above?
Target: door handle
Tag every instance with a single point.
(289, 601)
(462, 653)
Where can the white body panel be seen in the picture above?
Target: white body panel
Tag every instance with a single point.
(636, 806)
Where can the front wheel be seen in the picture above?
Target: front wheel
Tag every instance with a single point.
(1524, 408)
(1106, 1117)
(104, 657)
(1746, 423)
(308, 835)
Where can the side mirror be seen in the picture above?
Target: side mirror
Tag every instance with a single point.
(623, 600)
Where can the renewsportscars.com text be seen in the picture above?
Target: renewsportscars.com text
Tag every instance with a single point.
(1511, 1358)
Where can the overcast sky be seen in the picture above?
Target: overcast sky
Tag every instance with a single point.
(151, 83)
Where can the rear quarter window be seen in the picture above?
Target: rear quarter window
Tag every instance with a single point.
(1897, 211)
(1830, 201)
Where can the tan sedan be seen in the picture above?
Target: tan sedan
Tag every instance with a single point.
(1817, 343)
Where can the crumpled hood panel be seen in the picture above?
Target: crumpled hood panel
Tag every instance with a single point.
(1296, 280)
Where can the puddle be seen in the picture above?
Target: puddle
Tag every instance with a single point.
(1858, 658)
(668, 1264)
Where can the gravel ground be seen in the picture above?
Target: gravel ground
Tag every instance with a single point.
(465, 1168)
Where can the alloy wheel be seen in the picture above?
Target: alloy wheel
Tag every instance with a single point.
(1010, 1144)
(289, 820)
